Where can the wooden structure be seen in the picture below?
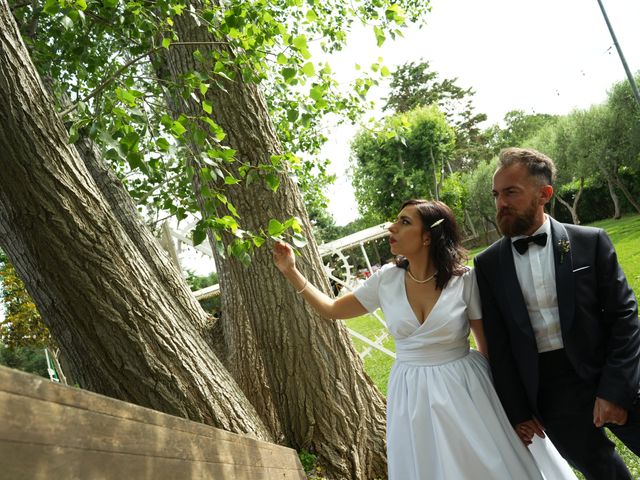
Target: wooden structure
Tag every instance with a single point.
(50, 431)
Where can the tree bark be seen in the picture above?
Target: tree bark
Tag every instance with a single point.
(626, 192)
(436, 185)
(614, 197)
(121, 334)
(313, 377)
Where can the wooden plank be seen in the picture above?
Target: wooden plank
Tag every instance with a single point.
(38, 462)
(47, 427)
(32, 386)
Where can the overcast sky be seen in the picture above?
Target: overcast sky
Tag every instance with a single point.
(544, 56)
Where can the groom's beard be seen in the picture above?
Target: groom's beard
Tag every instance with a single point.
(512, 223)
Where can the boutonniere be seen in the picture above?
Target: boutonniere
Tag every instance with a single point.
(563, 247)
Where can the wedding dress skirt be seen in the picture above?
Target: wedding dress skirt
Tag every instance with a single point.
(444, 418)
(445, 422)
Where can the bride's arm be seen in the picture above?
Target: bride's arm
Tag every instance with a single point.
(478, 335)
(346, 306)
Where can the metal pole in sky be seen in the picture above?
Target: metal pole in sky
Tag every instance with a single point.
(632, 81)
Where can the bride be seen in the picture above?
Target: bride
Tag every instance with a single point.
(444, 419)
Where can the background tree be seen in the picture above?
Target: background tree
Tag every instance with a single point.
(23, 336)
(402, 157)
(416, 85)
(480, 203)
(624, 136)
(22, 325)
(518, 128)
(559, 140)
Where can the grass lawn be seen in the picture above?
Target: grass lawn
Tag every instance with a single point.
(625, 234)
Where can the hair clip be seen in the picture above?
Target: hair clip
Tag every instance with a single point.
(436, 223)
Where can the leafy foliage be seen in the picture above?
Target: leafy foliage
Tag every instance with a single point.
(416, 85)
(398, 159)
(30, 359)
(22, 325)
(480, 203)
(106, 56)
(519, 127)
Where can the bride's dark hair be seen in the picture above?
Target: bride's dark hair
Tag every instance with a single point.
(445, 250)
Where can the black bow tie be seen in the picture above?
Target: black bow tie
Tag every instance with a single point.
(522, 244)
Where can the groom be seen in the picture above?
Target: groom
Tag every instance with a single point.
(561, 324)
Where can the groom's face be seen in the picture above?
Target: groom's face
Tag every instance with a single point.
(519, 206)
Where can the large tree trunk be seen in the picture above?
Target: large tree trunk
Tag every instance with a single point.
(122, 335)
(323, 399)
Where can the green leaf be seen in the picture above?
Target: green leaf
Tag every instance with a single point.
(73, 134)
(312, 16)
(296, 225)
(282, 59)
(380, 37)
(67, 23)
(308, 69)
(298, 240)
(300, 42)
(81, 4)
(275, 228)
(51, 7)
(252, 175)
(225, 154)
(229, 180)
(110, 3)
(258, 241)
(199, 136)
(220, 248)
(166, 42)
(316, 93)
(199, 234)
(163, 144)
(292, 115)
(207, 107)
(288, 74)
(273, 182)
(178, 128)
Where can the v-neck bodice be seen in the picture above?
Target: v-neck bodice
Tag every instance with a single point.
(415, 315)
(445, 331)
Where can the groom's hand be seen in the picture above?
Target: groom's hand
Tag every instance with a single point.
(605, 411)
(526, 430)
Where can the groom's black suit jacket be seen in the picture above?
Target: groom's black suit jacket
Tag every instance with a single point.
(598, 317)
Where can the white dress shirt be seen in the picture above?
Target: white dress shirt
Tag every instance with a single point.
(536, 273)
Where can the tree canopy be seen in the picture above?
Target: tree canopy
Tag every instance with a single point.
(402, 157)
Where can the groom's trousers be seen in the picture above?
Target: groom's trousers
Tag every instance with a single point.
(565, 403)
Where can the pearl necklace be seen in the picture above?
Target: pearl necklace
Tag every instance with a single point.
(421, 281)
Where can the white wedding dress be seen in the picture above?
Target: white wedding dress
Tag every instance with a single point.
(444, 419)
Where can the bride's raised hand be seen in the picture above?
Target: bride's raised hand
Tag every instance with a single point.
(283, 257)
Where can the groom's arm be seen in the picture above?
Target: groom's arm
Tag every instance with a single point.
(621, 374)
(506, 377)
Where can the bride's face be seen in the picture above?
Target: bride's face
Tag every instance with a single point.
(408, 236)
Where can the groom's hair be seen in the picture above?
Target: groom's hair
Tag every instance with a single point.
(538, 164)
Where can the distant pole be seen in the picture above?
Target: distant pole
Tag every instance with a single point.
(632, 80)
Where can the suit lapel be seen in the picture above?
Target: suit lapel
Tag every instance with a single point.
(512, 290)
(565, 286)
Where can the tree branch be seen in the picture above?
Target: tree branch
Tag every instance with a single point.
(144, 197)
(113, 77)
